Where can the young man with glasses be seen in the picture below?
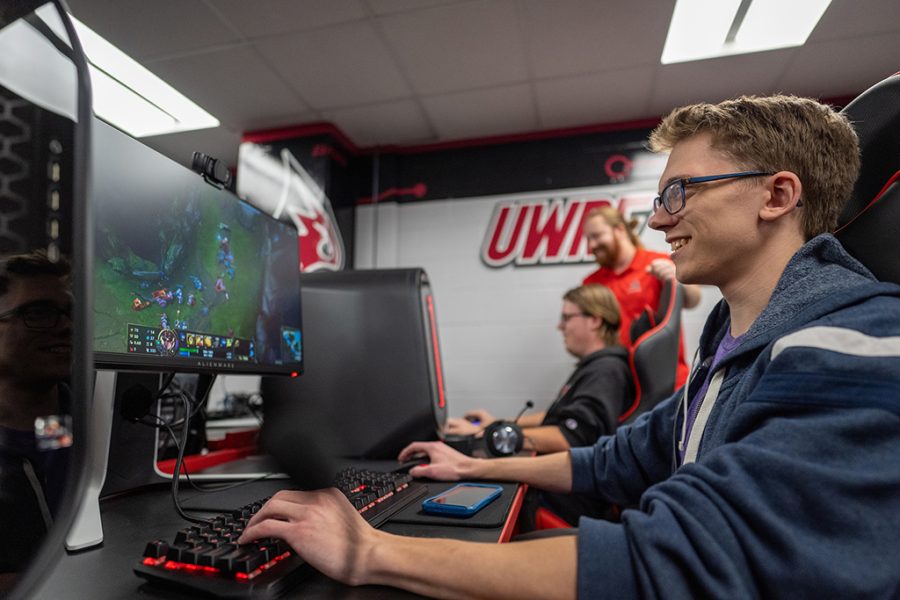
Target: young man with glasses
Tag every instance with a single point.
(775, 473)
(35, 363)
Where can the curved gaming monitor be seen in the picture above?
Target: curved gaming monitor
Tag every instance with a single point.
(187, 277)
(45, 106)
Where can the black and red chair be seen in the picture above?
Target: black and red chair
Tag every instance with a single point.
(653, 356)
(653, 360)
(870, 221)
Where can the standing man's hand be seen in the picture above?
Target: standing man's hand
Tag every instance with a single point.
(662, 268)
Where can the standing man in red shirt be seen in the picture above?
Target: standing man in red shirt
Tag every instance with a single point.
(633, 273)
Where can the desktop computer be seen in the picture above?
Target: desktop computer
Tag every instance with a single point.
(374, 379)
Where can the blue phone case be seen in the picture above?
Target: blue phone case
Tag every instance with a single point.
(463, 499)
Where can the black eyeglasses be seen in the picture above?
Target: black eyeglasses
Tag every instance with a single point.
(565, 317)
(38, 316)
(672, 198)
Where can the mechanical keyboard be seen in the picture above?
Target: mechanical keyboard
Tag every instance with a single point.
(205, 556)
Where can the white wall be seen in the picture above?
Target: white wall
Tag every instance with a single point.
(497, 326)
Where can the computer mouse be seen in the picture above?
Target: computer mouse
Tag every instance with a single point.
(415, 461)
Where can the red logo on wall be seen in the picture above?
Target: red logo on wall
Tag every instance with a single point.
(548, 232)
(281, 186)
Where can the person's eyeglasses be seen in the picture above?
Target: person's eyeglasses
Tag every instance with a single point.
(38, 316)
(672, 198)
(565, 317)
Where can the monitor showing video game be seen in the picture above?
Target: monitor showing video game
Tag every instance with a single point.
(187, 277)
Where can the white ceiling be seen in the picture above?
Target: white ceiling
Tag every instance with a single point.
(410, 72)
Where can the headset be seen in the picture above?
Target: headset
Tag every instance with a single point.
(501, 438)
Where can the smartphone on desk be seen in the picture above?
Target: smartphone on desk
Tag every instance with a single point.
(463, 499)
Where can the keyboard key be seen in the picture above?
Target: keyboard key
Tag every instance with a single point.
(156, 549)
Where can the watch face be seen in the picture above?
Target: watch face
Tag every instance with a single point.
(505, 439)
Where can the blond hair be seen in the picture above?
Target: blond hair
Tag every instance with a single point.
(778, 133)
(614, 219)
(598, 301)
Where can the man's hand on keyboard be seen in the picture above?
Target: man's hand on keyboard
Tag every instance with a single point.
(321, 526)
(445, 463)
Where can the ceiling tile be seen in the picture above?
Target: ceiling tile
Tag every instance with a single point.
(383, 124)
(459, 46)
(234, 85)
(571, 37)
(387, 7)
(716, 79)
(852, 18)
(853, 66)
(276, 121)
(599, 98)
(273, 17)
(480, 113)
(144, 29)
(342, 66)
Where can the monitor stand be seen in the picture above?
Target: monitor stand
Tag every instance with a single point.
(87, 530)
(131, 463)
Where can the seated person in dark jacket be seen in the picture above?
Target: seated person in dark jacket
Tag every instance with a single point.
(589, 404)
(35, 362)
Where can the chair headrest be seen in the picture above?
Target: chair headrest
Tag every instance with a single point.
(868, 223)
(875, 115)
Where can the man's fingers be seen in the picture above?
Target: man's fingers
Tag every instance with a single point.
(275, 508)
(265, 529)
(413, 449)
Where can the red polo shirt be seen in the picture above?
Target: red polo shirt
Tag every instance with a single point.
(636, 288)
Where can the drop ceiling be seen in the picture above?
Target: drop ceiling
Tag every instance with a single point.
(417, 72)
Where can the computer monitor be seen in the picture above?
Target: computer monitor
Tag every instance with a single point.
(45, 104)
(187, 277)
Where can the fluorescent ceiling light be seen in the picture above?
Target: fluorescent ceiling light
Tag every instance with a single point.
(709, 28)
(128, 95)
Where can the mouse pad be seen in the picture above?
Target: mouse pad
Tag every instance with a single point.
(492, 515)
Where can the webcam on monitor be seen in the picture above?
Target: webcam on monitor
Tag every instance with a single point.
(213, 170)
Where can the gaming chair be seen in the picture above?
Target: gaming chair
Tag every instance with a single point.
(653, 357)
(653, 360)
(867, 227)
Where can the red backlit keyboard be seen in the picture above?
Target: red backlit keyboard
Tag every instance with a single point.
(205, 556)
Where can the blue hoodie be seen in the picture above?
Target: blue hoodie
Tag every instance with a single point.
(790, 486)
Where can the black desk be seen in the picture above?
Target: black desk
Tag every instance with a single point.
(131, 520)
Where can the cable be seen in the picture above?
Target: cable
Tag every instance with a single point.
(207, 489)
(176, 476)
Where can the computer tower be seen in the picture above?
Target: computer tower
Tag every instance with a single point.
(373, 380)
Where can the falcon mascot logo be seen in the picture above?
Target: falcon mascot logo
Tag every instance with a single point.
(280, 186)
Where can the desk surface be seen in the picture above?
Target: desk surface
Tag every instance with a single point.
(132, 520)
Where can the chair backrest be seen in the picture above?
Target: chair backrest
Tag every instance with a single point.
(870, 220)
(653, 356)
